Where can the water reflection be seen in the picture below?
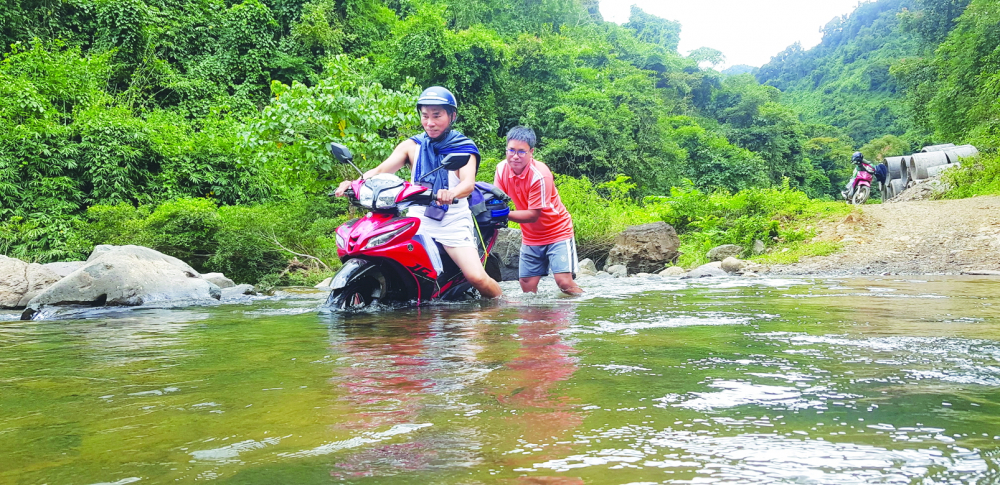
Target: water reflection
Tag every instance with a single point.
(397, 379)
(542, 419)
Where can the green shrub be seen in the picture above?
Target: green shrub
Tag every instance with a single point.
(258, 241)
(771, 215)
(597, 217)
(979, 176)
(185, 229)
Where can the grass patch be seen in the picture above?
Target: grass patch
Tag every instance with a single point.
(796, 251)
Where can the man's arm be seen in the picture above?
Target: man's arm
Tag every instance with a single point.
(530, 214)
(391, 164)
(526, 216)
(467, 182)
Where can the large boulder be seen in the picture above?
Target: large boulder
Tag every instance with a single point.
(20, 281)
(64, 268)
(646, 248)
(507, 250)
(720, 253)
(126, 276)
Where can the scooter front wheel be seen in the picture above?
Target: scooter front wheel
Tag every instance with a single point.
(861, 194)
(362, 292)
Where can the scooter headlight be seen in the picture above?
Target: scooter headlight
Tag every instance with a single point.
(367, 196)
(386, 237)
(341, 242)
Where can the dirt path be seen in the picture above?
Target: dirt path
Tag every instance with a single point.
(911, 237)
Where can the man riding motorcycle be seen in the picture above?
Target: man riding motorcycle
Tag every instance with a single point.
(858, 159)
(447, 222)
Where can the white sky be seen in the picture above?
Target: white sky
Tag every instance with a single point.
(746, 31)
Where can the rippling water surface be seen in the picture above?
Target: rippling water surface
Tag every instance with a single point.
(641, 381)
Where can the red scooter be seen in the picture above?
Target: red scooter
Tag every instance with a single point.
(386, 261)
(861, 186)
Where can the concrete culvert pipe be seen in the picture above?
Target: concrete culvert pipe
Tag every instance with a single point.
(937, 148)
(920, 162)
(893, 163)
(904, 171)
(957, 153)
(935, 171)
(896, 187)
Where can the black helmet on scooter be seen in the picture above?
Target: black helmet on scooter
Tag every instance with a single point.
(858, 157)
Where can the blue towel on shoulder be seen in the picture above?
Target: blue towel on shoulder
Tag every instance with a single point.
(431, 154)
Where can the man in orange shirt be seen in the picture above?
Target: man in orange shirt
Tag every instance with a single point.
(546, 227)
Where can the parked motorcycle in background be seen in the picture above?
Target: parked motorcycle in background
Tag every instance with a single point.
(860, 187)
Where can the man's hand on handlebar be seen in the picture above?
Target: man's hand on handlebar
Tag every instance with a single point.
(342, 188)
(445, 197)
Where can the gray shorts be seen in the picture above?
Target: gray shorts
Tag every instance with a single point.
(552, 258)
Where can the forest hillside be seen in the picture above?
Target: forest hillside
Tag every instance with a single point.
(197, 128)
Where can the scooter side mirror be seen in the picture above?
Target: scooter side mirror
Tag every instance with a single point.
(340, 152)
(455, 161)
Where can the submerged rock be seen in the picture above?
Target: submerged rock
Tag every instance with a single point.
(645, 248)
(237, 291)
(126, 276)
(705, 271)
(20, 281)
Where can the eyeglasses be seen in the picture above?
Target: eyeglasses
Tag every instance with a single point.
(520, 153)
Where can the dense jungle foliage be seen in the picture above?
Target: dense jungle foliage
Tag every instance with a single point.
(197, 128)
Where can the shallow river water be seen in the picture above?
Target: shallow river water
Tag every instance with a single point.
(642, 381)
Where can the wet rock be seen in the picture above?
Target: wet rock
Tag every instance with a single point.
(617, 270)
(20, 281)
(719, 253)
(645, 248)
(236, 291)
(705, 271)
(507, 250)
(673, 271)
(758, 247)
(64, 268)
(982, 272)
(325, 283)
(732, 265)
(219, 279)
(587, 267)
(603, 274)
(126, 276)
(642, 275)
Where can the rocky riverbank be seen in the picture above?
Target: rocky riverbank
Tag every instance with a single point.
(912, 237)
